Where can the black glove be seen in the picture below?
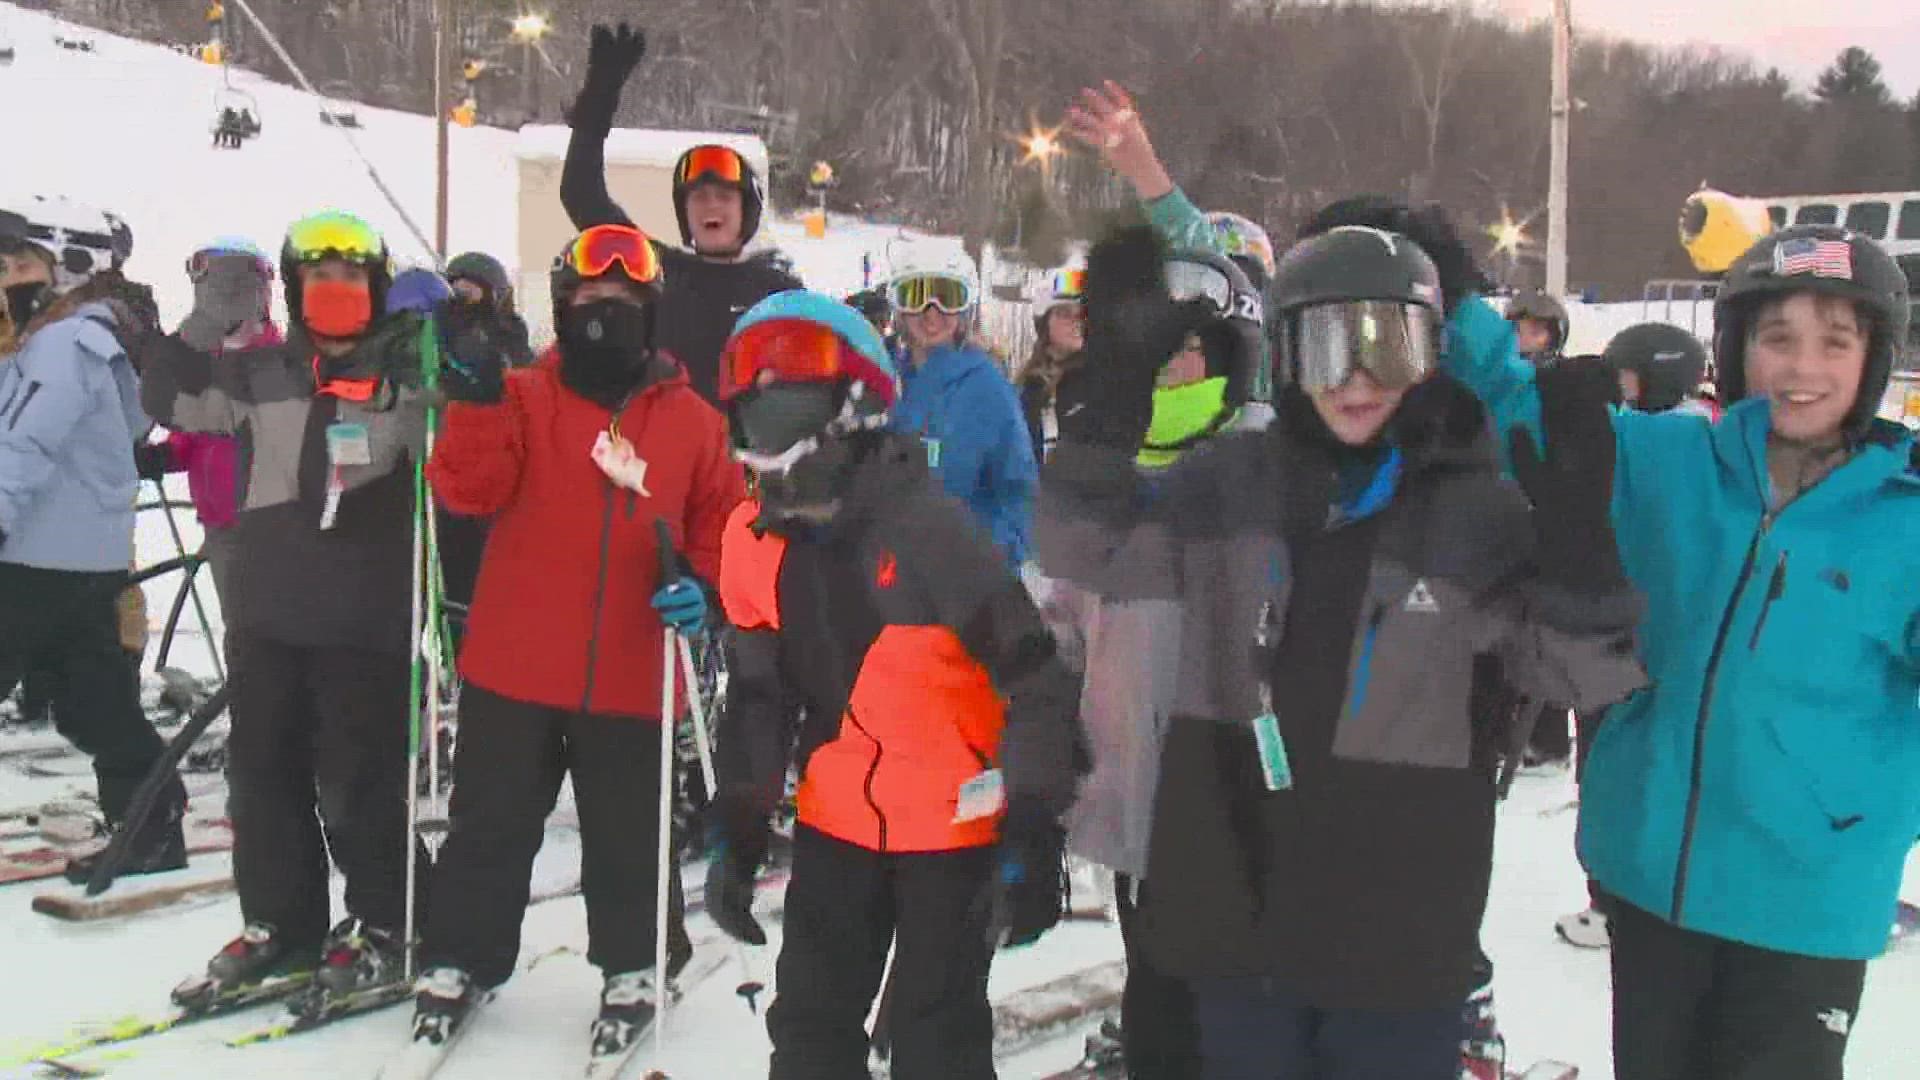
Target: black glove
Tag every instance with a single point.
(1027, 893)
(738, 843)
(226, 297)
(1133, 328)
(612, 54)
(1571, 485)
(475, 357)
(1428, 226)
(150, 460)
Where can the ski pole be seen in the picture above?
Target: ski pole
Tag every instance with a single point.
(414, 710)
(702, 740)
(669, 648)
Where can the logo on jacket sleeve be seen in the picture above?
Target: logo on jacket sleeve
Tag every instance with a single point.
(887, 572)
(1420, 598)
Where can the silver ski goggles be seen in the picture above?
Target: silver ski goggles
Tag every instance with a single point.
(1395, 344)
(1198, 281)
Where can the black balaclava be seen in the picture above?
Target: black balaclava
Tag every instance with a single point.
(606, 349)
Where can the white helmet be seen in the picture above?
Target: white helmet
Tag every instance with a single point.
(934, 264)
(1061, 285)
(81, 239)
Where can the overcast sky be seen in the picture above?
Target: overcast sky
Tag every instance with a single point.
(1798, 36)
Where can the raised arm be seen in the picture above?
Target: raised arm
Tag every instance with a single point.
(611, 57)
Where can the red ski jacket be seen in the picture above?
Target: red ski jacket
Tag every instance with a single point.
(562, 614)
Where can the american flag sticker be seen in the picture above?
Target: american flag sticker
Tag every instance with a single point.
(1820, 258)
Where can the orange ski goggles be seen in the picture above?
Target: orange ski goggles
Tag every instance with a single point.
(713, 162)
(594, 252)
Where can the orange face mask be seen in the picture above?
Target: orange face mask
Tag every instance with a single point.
(336, 309)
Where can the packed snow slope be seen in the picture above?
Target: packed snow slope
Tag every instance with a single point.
(127, 128)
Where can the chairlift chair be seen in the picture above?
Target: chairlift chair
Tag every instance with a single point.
(336, 110)
(236, 118)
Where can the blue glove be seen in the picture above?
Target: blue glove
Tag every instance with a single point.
(682, 605)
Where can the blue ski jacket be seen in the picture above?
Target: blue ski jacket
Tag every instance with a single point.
(960, 405)
(1765, 786)
(69, 416)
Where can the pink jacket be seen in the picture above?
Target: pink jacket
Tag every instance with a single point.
(211, 462)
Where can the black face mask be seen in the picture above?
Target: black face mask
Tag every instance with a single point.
(24, 300)
(772, 419)
(606, 350)
(807, 495)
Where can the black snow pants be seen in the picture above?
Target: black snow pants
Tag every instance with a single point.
(317, 763)
(1156, 1009)
(1689, 1006)
(844, 905)
(64, 624)
(1250, 1029)
(507, 769)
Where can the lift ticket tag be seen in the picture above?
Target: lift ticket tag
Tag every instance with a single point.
(1273, 752)
(347, 444)
(981, 797)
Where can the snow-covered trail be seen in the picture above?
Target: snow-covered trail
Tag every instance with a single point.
(1553, 999)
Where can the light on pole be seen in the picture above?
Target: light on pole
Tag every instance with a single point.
(528, 29)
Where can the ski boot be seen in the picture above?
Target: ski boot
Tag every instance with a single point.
(628, 1003)
(443, 999)
(1483, 1052)
(1106, 1050)
(1585, 929)
(258, 956)
(356, 959)
(160, 846)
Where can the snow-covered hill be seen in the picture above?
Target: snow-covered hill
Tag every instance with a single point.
(127, 128)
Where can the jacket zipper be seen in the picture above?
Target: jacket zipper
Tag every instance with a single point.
(599, 602)
(873, 769)
(1776, 588)
(1706, 708)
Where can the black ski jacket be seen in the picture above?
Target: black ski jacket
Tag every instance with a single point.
(703, 299)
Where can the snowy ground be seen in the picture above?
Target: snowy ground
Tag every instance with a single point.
(1552, 998)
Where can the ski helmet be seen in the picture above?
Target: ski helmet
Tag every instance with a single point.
(1669, 362)
(1355, 297)
(711, 163)
(832, 378)
(1236, 326)
(619, 251)
(1246, 243)
(1058, 287)
(485, 271)
(1822, 259)
(333, 234)
(79, 240)
(418, 289)
(1537, 305)
(944, 279)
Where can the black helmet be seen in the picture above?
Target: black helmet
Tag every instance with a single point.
(485, 271)
(1534, 304)
(1236, 332)
(691, 170)
(1344, 265)
(563, 278)
(1814, 258)
(1669, 361)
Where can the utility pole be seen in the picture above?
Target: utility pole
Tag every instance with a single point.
(1562, 108)
(442, 18)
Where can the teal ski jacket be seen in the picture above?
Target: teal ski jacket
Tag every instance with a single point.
(1765, 786)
